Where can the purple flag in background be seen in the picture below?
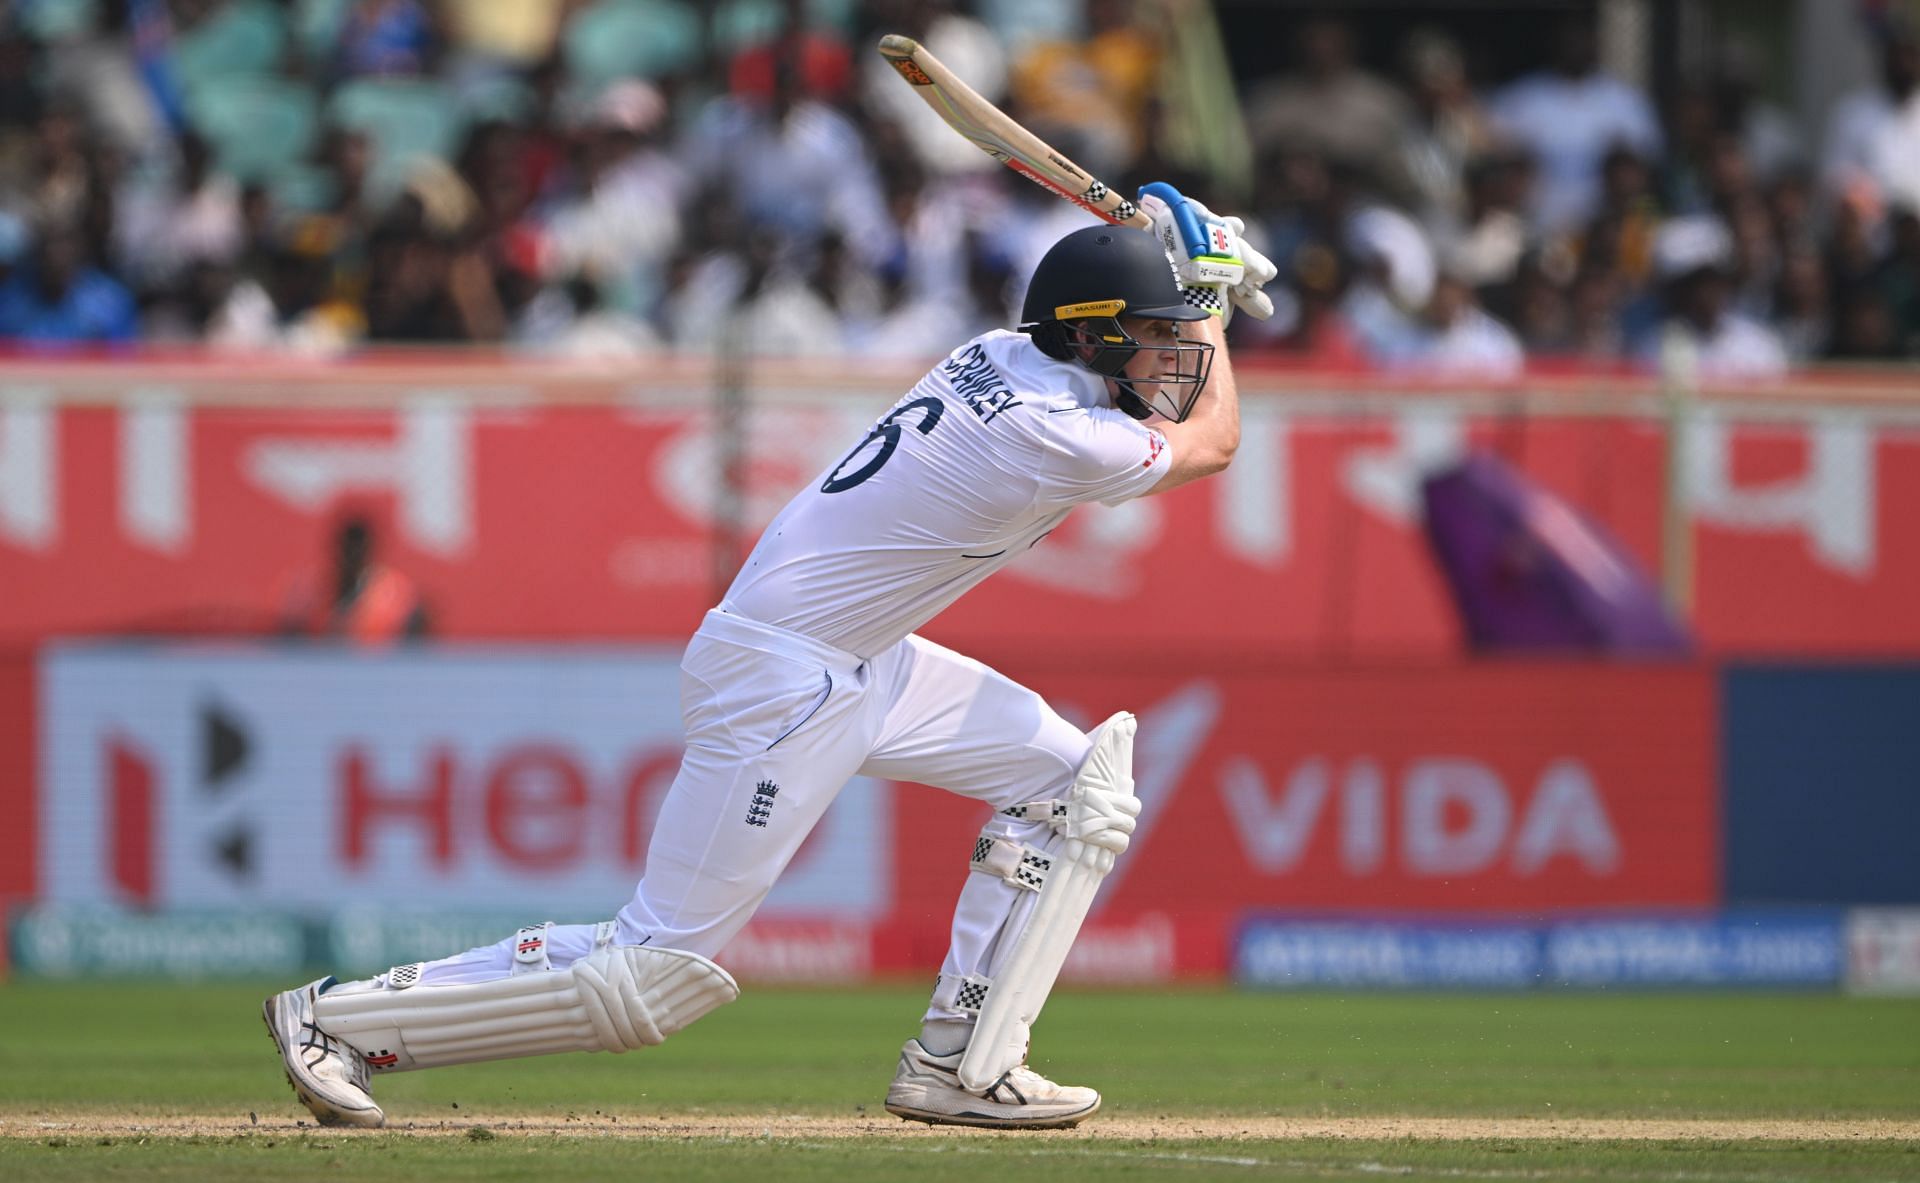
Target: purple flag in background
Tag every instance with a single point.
(1530, 573)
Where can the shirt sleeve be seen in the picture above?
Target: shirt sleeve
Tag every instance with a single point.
(1099, 454)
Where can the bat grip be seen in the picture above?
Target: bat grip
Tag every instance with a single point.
(1191, 235)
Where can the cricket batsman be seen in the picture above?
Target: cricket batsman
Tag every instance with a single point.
(808, 672)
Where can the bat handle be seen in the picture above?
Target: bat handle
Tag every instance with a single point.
(1191, 235)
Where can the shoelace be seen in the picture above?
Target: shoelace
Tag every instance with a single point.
(313, 1038)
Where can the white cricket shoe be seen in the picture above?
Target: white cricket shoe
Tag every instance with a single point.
(927, 1088)
(330, 1077)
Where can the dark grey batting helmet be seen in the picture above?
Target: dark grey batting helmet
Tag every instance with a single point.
(1083, 286)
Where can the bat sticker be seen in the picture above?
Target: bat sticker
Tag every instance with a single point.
(911, 72)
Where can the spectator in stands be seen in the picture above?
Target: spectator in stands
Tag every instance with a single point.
(1446, 130)
(1853, 238)
(1873, 136)
(1452, 336)
(259, 222)
(1290, 196)
(1691, 126)
(968, 48)
(1595, 301)
(489, 36)
(1311, 327)
(65, 168)
(183, 312)
(792, 162)
(286, 302)
(756, 300)
(574, 320)
(1864, 328)
(1331, 107)
(1493, 236)
(1568, 117)
(15, 238)
(97, 68)
(1710, 161)
(60, 298)
(1394, 269)
(1800, 305)
(1536, 304)
(1756, 255)
(1694, 261)
(358, 598)
(1790, 203)
(343, 158)
(1730, 176)
(817, 53)
(1092, 92)
(934, 225)
(430, 276)
(1899, 278)
(1764, 132)
(622, 218)
(569, 171)
(389, 37)
(1619, 237)
(165, 228)
(926, 324)
(22, 106)
(858, 297)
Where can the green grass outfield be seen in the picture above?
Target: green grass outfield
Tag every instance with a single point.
(137, 1081)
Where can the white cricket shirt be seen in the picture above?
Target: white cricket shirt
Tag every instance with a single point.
(980, 460)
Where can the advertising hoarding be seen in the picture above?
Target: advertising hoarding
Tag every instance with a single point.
(527, 520)
(522, 783)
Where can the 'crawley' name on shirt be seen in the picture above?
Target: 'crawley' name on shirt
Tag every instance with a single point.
(975, 380)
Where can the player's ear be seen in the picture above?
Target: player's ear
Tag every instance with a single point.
(1079, 340)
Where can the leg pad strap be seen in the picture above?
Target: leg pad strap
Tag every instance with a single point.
(962, 993)
(1023, 866)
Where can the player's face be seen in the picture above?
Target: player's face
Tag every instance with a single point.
(1150, 367)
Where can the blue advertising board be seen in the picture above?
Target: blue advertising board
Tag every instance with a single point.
(1737, 949)
(1284, 952)
(1821, 773)
(1791, 949)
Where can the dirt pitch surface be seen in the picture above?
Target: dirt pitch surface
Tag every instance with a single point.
(1119, 1128)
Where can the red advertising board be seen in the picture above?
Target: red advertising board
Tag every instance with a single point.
(19, 776)
(220, 778)
(1509, 788)
(154, 515)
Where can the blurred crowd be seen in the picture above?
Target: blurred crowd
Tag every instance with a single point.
(602, 178)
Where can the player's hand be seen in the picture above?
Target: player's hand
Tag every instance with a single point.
(1215, 266)
(1258, 269)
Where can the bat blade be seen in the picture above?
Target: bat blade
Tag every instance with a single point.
(994, 132)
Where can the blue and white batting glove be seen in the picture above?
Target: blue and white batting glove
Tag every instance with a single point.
(1216, 268)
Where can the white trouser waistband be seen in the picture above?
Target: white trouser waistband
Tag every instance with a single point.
(725, 624)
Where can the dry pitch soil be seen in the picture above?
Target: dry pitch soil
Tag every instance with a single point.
(1118, 1128)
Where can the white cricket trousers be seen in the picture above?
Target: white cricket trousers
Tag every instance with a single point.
(776, 724)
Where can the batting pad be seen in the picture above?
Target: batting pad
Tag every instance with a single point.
(1095, 823)
(613, 1000)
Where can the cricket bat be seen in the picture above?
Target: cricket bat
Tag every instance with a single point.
(996, 134)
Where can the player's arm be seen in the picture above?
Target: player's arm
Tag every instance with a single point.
(1204, 442)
